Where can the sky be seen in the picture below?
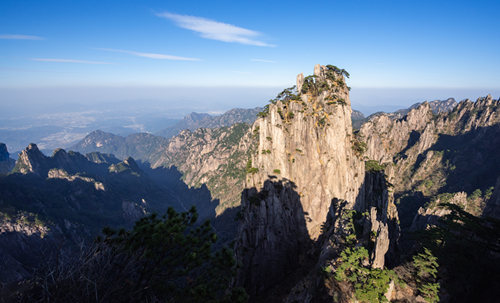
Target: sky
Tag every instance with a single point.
(397, 52)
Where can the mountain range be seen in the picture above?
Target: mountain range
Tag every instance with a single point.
(320, 203)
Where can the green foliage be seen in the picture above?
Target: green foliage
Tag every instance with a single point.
(322, 121)
(253, 170)
(266, 151)
(488, 193)
(333, 69)
(373, 165)
(476, 194)
(250, 169)
(277, 171)
(426, 267)
(428, 183)
(430, 292)
(287, 95)
(290, 115)
(467, 247)
(167, 258)
(370, 284)
(441, 198)
(359, 146)
(340, 83)
(309, 85)
(177, 262)
(264, 112)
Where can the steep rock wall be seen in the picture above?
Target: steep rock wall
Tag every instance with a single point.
(308, 142)
(304, 162)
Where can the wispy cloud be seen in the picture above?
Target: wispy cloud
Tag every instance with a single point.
(68, 61)
(20, 37)
(240, 72)
(215, 30)
(263, 60)
(150, 55)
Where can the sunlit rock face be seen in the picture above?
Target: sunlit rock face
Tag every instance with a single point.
(305, 160)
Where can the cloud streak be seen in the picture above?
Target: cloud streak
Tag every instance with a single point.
(150, 55)
(215, 30)
(59, 60)
(20, 37)
(263, 60)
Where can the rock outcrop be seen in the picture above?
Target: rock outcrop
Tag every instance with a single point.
(306, 160)
(430, 215)
(308, 141)
(492, 207)
(424, 151)
(372, 223)
(31, 160)
(24, 244)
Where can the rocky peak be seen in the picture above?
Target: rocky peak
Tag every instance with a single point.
(130, 162)
(306, 138)
(98, 158)
(385, 137)
(31, 160)
(326, 85)
(300, 81)
(195, 117)
(128, 165)
(305, 160)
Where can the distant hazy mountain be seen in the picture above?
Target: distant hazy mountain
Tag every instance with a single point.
(148, 147)
(357, 119)
(140, 146)
(436, 106)
(196, 120)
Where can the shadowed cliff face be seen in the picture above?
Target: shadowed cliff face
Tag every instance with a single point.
(6, 163)
(59, 201)
(274, 239)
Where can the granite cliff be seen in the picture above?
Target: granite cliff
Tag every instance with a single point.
(426, 154)
(306, 167)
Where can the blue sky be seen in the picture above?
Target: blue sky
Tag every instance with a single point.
(448, 46)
